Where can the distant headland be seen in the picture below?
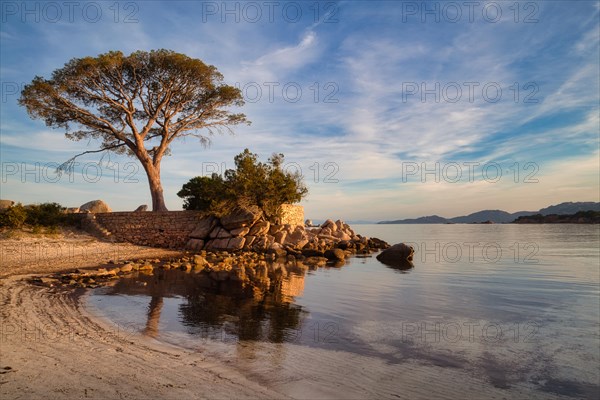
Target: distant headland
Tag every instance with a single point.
(568, 212)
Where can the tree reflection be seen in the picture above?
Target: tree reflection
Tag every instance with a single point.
(254, 305)
(257, 308)
(154, 310)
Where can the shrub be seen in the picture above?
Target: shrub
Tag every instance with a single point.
(45, 214)
(13, 217)
(36, 215)
(251, 183)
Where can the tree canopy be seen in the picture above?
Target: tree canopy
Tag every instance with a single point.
(251, 183)
(136, 104)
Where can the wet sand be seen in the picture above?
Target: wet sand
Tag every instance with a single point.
(51, 347)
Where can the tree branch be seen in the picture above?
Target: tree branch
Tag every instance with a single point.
(68, 165)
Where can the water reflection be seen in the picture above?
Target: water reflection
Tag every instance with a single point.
(154, 310)
(517, 329)
(399, 265)
(254, 305)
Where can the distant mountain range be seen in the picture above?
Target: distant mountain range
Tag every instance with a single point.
(499, 216)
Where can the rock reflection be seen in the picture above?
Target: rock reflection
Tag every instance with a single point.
(400, 265)
(254, 304)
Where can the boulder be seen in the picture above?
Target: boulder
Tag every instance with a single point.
(342, 235)
(327, 231)
(95, 206)
(275, 228)
(335, 255)
(260, 228)
(261, 243)
(219, 233)
(205, 225)
(240, 217)
(220, 244)
(308, 222)
(240, 231)
(236, 243)
(126, 268)
(142, 208)
(328, 238)
(312, 253)
(249, 241)
(276, 249)
(396, 255)
(297, 236)
(280, 237)
(327, 223)
(200, 261)
(146, 267)
(5, 204)
(195, 244)
(301, 243)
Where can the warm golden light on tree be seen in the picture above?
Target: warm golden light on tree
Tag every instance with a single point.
(136, 105)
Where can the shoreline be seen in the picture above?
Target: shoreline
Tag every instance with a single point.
(72, 249)
(51, 346)
(54, 347)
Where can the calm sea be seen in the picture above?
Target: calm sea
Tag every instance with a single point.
(488, 311)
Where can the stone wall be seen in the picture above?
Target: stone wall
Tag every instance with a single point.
(169, 229)
(243, 229)
(292, 214)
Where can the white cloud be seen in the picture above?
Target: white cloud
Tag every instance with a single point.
(277, 64)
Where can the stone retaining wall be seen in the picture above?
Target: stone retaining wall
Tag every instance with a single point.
(243, 229)
(169, 229)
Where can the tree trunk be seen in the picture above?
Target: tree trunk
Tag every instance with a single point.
(156, 190)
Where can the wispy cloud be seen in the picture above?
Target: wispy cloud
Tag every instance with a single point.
(360, 111)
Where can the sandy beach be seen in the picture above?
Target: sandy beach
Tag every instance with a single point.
(50, 347)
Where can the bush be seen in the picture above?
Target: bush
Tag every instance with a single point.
(204, 193)
(252, 183)
(45, 214)
(36, 215)
(13, 217)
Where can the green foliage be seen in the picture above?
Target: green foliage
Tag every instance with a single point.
(13, 217)
(135, 104)
(251, 183)
(45, 214)
(36, 215)
(203, 193)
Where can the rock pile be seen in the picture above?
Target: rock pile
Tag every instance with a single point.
(246, 230)
(245, 267)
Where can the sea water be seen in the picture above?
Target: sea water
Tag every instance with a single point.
(496, 311)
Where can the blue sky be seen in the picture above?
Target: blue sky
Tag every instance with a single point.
(390, 109)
